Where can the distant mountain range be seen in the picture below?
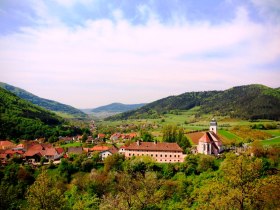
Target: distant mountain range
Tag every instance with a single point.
(246, 102)
(112, 109)
(63, 109)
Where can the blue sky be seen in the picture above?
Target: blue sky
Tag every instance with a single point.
(88, 53)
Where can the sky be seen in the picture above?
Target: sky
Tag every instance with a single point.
(88, 53)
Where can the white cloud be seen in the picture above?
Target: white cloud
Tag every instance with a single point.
(107, 61)
(269, 9)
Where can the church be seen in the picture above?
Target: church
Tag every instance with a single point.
(210, 143)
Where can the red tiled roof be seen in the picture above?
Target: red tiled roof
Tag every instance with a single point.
(205, 138)
(31, 153)
(113, 150)
(6, 144)
(99, 148)
(59, 150)
(11, 151)
(101, 135)
(50, 152)
(151, 146)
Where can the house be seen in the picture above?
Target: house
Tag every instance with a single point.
(37, 151)
(66, 139)
(104, 151)
(101, 136)
(162, 152)
(53, 153)
(122, 149)
(14, 153)
(210, 143)
(115, 136)
(6, 145)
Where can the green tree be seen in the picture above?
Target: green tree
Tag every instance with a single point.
(44, 194)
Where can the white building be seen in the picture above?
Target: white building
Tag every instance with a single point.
(210, 143)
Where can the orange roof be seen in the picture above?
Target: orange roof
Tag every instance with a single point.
(50, 152)
(205, 138)
(99, 148)
(6, 144)
(151, 146)
(194, 137)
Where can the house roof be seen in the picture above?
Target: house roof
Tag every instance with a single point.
(31, 153)
(11, 151)
(6, 144)
(113, 150)
(50, 152)
(59, 150)
(194, 137)
(99, 148)
(151, 146)
(101, 135)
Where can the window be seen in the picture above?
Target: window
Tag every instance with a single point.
(156, 155)
(165, 155)
(129, 154)
(174, 155)
(151, 155)
(178, 156)
(170, 155)
(160, 155)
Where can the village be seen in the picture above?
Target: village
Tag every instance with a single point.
(38, 152)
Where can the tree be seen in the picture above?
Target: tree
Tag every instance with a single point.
(113, 162)
(146, 136)
(85, 137)
(44, 194)
(237, 186)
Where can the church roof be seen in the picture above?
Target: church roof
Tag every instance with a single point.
(206, 138)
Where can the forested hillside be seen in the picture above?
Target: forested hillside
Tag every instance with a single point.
(246, 102)
(117, 107)
(45, 103)
(22, 119)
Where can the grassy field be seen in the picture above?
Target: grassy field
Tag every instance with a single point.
(273, 132)
(230, 130)
(228, 135)
(74, 144)
(271, 142)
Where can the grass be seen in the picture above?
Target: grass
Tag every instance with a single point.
(228, 135)
(275, 132)
(74, 144)
(271, 142)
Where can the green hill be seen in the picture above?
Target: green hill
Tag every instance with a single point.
(65, 110)
(21, 119)
(117, 107)
(246, 102)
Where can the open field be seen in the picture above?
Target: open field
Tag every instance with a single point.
(275, 132)
(272, 141)
(74, 144)
(230, 130)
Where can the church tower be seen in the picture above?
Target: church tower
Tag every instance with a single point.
(213, 126)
